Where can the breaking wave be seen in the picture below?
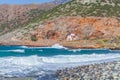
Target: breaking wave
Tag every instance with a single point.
(58, 46)
(37, 61)
(24, 66)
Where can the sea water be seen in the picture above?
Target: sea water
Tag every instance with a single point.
(37, 62)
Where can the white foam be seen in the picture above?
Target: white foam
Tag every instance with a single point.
(15, 50)
(74, 50)
(35, 60)
(79, 58)
(58, 46)
(24, 47)
(16, 66)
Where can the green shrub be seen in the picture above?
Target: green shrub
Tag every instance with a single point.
(34, 38)
(101, 42)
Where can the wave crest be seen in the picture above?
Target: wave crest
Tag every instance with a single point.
(17, 50)
(17, 66)
(58, 46)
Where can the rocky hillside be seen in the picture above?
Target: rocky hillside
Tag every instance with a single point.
(91, 27)
(10, 12)
(84, 8)
(13, 16)
(87, 22)
(73, 32)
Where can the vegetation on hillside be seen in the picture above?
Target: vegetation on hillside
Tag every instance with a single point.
(75, 8)
(104, 8)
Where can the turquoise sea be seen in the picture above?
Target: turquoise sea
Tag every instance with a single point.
(37, 62)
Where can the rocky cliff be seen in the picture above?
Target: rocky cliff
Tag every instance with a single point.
(90, 27)
(91, 24)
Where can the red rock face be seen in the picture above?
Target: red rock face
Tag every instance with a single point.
(61, 27)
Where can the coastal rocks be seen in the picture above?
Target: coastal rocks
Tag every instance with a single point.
(103, 71)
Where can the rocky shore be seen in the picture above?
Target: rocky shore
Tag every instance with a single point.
(103, 71)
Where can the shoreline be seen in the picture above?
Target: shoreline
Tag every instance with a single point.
(97, 71)
(75, 72)
(74, 76)
(69, 47)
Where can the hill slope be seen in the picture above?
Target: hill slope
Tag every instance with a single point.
(83, 8)
(13, 16)
(101, 8)
(100, 19)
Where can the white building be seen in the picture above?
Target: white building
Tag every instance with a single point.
(72, 37)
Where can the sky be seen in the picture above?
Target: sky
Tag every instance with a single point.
(23, 1)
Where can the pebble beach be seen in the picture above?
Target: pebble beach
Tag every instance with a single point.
(102, 71)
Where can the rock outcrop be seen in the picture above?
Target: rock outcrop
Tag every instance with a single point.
(90, 32)
(91, 27)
